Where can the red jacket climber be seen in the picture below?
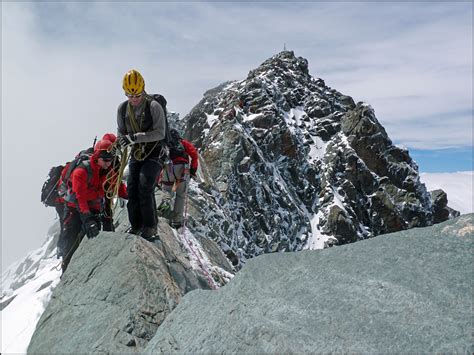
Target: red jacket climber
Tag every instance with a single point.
(84, 199)
(175, 177)
(191, 152)
(87, 183)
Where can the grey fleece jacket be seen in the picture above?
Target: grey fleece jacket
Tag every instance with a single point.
(158, 129)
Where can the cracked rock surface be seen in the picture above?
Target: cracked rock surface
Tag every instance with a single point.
(117, 291)
(405, 292)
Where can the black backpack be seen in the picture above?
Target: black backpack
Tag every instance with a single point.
(162, 101)
(176, 146)
(51, 189)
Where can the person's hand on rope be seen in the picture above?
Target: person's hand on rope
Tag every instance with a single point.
(192, 172)
(115, 148)
(91, 227)
(126, 140)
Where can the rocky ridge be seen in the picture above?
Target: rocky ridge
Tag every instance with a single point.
(119, 288)
(289, 164)
(405, 292)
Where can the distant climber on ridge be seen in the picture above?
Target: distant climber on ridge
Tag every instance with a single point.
(175, 176)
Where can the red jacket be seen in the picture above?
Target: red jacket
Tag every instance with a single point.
(89, 194)
(191, 151)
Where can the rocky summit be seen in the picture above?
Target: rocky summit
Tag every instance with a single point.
(289, 164)
(405, 292)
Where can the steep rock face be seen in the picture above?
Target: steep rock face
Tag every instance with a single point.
(405, 292)
(118, 289)
(290, 163)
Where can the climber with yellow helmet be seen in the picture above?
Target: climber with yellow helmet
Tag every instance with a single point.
(141, 124)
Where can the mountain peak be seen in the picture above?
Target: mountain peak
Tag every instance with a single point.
(297, 164)
(283, 62)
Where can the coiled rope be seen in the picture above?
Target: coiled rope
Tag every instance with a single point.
(139, 149)
(114, 176)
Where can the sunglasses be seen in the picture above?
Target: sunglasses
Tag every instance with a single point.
(106, 158)
(130, 96)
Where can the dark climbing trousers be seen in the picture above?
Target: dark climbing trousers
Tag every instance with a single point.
(141, 192)
(107, 219)
(60, 244)
(71, 234)
(60, 211)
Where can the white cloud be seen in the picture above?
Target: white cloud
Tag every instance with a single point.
(458, 186)
(62, 65)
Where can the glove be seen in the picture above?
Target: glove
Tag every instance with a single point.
(92, 229)
(116, 149)
(192, 171)
(90, 225)
(125, 141)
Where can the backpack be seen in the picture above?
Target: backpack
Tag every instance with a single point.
(177, 150)
(58, 182)
(49, 191)
(82, 159)
(162, 101)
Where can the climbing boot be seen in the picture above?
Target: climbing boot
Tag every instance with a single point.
(134, 230)
(176, 225)
(149, 232)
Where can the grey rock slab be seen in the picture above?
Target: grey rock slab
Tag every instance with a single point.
(115, 293)
(409, 291)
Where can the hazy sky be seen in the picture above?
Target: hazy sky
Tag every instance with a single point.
(62, 66)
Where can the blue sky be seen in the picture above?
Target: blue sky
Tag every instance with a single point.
(62, 65)
(444, 160)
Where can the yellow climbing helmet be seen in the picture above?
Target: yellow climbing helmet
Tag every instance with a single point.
(133, 82)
